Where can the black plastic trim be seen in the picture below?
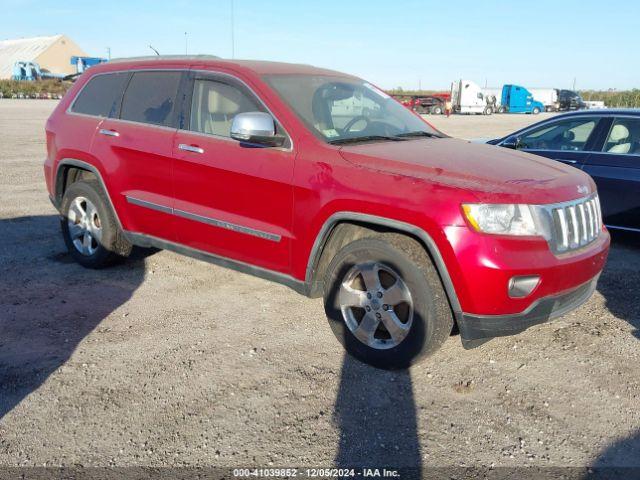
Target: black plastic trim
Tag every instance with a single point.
(146, 241)
(57, 194)
(476, 329)
(429, 243)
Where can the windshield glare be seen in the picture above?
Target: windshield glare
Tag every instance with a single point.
(338, 108)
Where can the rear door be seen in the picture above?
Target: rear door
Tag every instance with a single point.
(231, 199)
(615, 167)
(100, 98)
(136, 150)
(568, 140)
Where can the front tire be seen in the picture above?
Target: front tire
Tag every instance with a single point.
(89, 226)
(385, 303)
(535, 111)
(488, 110)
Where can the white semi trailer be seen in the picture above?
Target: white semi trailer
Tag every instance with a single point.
(548, 97)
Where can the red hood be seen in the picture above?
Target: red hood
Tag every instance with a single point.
(493, 174)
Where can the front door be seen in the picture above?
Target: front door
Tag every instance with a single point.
(568, 140)
(231, 199)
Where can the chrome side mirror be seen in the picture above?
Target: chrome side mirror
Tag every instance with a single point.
(256, 127)
(512, 142)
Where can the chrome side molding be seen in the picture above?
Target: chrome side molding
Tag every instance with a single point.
(202, 219)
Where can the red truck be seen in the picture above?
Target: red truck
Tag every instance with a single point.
(434, 104)
(319, 180)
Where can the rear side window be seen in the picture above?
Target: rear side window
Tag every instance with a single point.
(151, 98)
(101, 95)
(624, 137)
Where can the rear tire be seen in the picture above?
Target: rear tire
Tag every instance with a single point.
(488, 110)
(89, 226)
(385, 303)
(437, 110)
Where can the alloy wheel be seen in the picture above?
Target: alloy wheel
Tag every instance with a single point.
(85, 229)
(376, 305)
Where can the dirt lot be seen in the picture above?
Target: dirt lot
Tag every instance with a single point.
(166, 360)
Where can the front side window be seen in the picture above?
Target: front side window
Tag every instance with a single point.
(337, 108)
(624, 137)
(571, 135)
(214, 104)
(101, 95)
(151, 98)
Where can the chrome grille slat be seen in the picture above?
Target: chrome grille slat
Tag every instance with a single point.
(575, 239)
(590, 219)
(574, 224)
(599, 214)
(583, 225)
(564, 231)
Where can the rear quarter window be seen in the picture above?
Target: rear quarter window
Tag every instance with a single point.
(101, 95)
(151, 98)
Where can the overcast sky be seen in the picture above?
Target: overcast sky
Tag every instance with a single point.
(539, 43)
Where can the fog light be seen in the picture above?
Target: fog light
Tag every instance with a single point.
(522, 286)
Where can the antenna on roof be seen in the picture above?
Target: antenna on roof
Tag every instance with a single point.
(157, 52)
(233, 37)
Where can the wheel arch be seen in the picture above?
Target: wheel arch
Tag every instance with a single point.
(68, 166)
(342, 227)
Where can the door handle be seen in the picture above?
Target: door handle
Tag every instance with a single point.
(566, 160)
(190, 148)
(109, 133)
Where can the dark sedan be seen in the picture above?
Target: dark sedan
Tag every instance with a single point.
(603, 143)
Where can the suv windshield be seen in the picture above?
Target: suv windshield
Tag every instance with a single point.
(346, 109)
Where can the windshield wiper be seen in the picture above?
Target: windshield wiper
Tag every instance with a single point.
(365, 138)
(418, 133)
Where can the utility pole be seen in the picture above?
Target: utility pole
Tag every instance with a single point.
(574, 84)
(233, 40)
(109, 53)
(185, 43)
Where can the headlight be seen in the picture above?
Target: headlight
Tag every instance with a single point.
(502, 219)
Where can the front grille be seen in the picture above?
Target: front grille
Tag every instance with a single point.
(575, 224)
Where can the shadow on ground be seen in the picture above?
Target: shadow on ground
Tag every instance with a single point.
(375, 409)
(376, 414)
(48, 303)
(620, 460)
(621, 278)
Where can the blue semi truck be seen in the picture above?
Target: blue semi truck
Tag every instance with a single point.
(517, 99)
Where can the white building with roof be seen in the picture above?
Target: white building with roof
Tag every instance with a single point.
(52, 53)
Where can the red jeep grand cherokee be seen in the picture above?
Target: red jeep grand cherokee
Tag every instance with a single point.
(320, 181)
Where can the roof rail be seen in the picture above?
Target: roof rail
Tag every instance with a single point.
(150, 58)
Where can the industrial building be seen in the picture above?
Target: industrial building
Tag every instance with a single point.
(52, 53)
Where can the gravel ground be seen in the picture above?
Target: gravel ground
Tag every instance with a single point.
(166, 360)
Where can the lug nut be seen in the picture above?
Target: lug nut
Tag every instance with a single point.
(369, 295)
(368, 308)
(378, 315)
(385, 307)
(379, 294)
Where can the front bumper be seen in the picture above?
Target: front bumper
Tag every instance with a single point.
(477, 329)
